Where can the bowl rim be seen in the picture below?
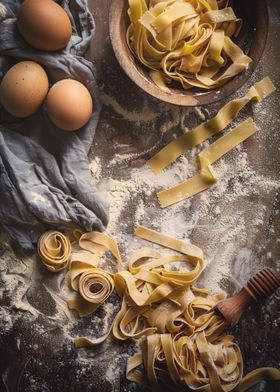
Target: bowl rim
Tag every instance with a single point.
(185, 98)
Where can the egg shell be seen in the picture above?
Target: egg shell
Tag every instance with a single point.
(69, 104)
(44, 24)
(24, 88)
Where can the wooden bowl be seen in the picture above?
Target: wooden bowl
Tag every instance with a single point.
(251, 39)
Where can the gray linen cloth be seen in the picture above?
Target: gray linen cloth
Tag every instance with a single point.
(45, 181)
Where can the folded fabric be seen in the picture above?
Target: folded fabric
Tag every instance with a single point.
(45, 180)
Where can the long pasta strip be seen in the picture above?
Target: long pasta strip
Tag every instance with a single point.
(97, 242)
(86, 342)
(92, 284)
(192, 251)
(209, 155)
(54, 250)
(202, 132)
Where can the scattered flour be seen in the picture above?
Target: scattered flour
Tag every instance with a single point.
(145, 115)
(226, 221)
(221, 220)
(3, 11)
(15, 276)
(95, 168)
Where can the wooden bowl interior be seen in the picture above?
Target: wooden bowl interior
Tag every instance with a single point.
(251, 39)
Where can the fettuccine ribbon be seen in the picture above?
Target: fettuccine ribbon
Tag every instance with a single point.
(93, 284)
(54, 249)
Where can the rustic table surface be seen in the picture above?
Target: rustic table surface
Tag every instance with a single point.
(236, 223)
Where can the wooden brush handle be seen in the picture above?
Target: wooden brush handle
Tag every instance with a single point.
(263, 284)
(258, 288)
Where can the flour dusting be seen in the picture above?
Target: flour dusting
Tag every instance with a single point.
(213, 219)
(233, 222)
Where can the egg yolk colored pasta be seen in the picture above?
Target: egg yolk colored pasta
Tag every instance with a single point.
(182, 340)
(189, 41)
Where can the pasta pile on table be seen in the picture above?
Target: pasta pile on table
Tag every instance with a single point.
(183, 343)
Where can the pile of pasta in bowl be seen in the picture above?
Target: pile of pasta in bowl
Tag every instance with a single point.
(190, 42)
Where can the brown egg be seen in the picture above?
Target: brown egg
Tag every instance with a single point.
(44, 24)
(69, 104)
(24, 88)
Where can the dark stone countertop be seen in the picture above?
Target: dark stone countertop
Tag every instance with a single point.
(36, 351)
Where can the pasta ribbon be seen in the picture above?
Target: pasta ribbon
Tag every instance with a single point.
(85, 342)
(54, 250)
(186, 41)
(93, 284)
(204, 131)
(98, 243)
(192, 251)
(209, 155)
